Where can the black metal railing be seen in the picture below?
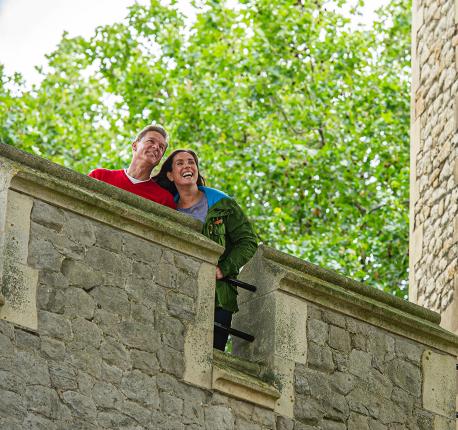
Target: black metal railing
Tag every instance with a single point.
(230, 330)
(457, 371)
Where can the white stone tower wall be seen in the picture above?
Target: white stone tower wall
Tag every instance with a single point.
(434, 162)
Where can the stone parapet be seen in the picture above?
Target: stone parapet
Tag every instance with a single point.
(340, 350)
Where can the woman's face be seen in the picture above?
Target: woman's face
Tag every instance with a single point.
(184, 170)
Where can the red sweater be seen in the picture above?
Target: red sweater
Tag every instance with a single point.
(149, 190)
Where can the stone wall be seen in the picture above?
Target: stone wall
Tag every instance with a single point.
(434, 158)
(108, 315)
(367, 361)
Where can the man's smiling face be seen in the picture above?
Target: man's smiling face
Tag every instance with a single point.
(150, 148)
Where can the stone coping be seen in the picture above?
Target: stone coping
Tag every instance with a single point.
(349, 297)
(65, 174)
(66, 188)
(349, 284)
(244, 380)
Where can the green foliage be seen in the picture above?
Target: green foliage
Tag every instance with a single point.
(299, 115)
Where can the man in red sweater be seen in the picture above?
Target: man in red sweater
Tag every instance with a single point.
(147, 151)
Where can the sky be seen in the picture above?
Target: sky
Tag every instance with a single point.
(29, 29)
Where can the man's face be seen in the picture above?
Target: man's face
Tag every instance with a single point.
(150, 148)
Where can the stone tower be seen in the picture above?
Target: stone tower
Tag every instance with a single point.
(433, 159)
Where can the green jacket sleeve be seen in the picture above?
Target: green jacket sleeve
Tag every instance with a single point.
(241, 242)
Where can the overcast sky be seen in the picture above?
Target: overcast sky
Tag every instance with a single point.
(29, 29)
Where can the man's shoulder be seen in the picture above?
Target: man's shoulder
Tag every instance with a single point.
(104, 173)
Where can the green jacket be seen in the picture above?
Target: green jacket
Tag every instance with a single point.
(227, 225)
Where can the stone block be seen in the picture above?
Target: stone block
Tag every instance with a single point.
(12, 382)
(54, 325)
(44, 401)
(52, 348)
(139, 336)
(108, 237)
(86, 332)
(320, 357)
(359, 363)
(63, 376)
(112, 299)
(180, 306)
(358, 422)
(47, 215)
(317, 331)
(80, 274)
(78, 303)
(85, 357)
(172, 331)
(79, 229)
(309, 411)
(406, 375)
(140, 388)
(439, 383)
(27, 341)
(37, 422)
(106, 395)
(171, 361)
(140, 249)
(339, 339)
(12, 405)
(111, 374)
(171, 405)
(219, 417)
(32, 368)
(80, 405)
(145, 361)
(115, 353)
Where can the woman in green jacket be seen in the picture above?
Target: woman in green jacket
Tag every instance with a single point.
(223, 222)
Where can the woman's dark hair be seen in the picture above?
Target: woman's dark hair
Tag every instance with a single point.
(161, 178)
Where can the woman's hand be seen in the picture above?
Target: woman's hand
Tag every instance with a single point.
(219, 274)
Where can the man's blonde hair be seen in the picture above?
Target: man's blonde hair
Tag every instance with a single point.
(154, 127)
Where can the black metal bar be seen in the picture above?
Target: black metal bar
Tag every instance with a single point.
(235, 332)
(241, 284)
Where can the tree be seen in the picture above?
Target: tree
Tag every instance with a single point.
(299, 115)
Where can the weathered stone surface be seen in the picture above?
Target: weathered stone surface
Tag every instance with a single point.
(219, 418)
(307, 410)
(180, 306)
(320, 357)
(115, 353)
(171, 361)
(359, 363)
(86, 332)
(406, 376)
(171, 405)
(63, 376)
(32, 368)
(80, 405)
(78, 303)
(52, 348)
(45, 401)
(145, 361)
(172, 331)
(106, 395)
(141, 388)
(37, 422)
(12, 405)
(112, 299)
(317, 331)
(11, 382)
(53, 325)
(27, 341)
(339, 339)
(139, 336)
